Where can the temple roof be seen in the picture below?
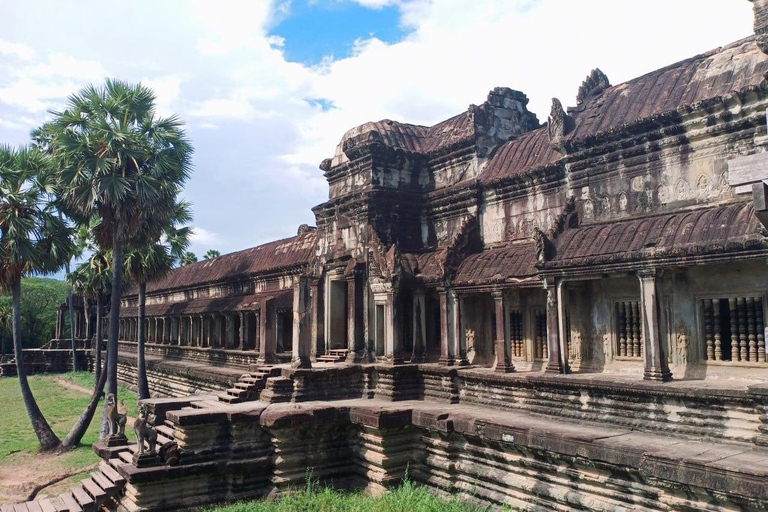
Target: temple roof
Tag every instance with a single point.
(213, 305)
(686, 235)
(713, 74)
(512, 263)
(286, 253)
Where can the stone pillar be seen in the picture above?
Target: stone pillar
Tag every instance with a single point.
(393, 335)
(561, 327)
(458, 341)
(216, 330)
(177, 333)
(503, 348)
(243, 330)
(446, 356)
(230, 342)
(653, 351)
(419, 328)
(314, 329)
(351, 317)
(267, 332)
(200, 327)
(554, 364)
(301, 338)
(257, 331)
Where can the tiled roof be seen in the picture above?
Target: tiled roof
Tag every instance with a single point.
(212, 305)
(688, 234)
(289, 252)
(424, 266)
(497, 266)
(519, 156)
(709, 75)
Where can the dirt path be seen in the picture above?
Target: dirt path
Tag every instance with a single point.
(71, 385)
(22, 472)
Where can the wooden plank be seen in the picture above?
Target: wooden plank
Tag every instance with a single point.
(103, 482)
(85, 500)
(112, 474)
(70, 502)
(47, 505)
(34, 506)
(94, 490)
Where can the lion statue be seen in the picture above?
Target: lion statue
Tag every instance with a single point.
(115, 417)
(144, 430)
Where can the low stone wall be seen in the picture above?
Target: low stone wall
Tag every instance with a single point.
(682, 409)
(235, 359)
(44, 360)
(489, 457)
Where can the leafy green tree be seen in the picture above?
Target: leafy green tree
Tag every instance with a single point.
(187, 258)
(32, 240)
(119, 163)
(40, 301)
(212, 253)
(149, 260)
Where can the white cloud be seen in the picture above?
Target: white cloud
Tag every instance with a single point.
(19, 50)
(202, 236)
(167, 90)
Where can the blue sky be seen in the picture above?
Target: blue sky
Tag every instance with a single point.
(268, 87)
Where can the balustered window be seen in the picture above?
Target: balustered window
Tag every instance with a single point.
(540, 334)
(516, 333)
(629, 342)
(734, 329)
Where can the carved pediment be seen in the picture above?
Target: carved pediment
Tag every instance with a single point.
(592, 86)
(559, 123)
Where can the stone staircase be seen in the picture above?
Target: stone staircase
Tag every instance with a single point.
(334, 355)
(93, 493)
(249, 386)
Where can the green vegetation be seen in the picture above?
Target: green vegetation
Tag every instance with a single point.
(40, 297)
(61, 406)
(408, 497)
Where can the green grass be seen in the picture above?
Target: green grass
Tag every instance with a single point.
(408, 497)
(61, 407)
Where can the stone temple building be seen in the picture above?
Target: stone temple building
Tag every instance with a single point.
(559, 315)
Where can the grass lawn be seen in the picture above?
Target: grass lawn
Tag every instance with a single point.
(61, 406)
(408, 497)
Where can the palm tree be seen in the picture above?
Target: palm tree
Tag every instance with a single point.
(187, 258)
(212, 253)
(33, 239)
(121, 164)
(91, 279)
(151, 260)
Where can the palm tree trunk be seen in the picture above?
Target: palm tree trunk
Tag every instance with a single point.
(141, 365)
(48, 440)
(99, 327)
(77, 431)
(75, 366)
(114, 312)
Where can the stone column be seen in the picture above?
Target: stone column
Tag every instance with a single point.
(393, 334)
(267, 332)
(419, 328)
(230, 343)
(458, 341)
(243, 330)
(257, 331)
(217, 330)
(503, 348)
(351, 317)
(314, 329)
(446, 357)
(200, 327)
(653, 351)
(301, 339)
(561, 328)
(554, 364)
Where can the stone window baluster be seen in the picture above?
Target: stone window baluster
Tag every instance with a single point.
(634, 306)
(622, 306)
(760, 327)
(708, 330)
(734, 330)
(716, 328)
(741, 307)
(752, 339)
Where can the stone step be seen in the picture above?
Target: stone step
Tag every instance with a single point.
(126, 457)
(112, 474)
(161, 439)
(105, 483)
(51, 505)
(70, 502)
(32, 506)
(165, 430)
(83, 499)
(236, 391)
(243, 385)
(115, 462)
(96, 492)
